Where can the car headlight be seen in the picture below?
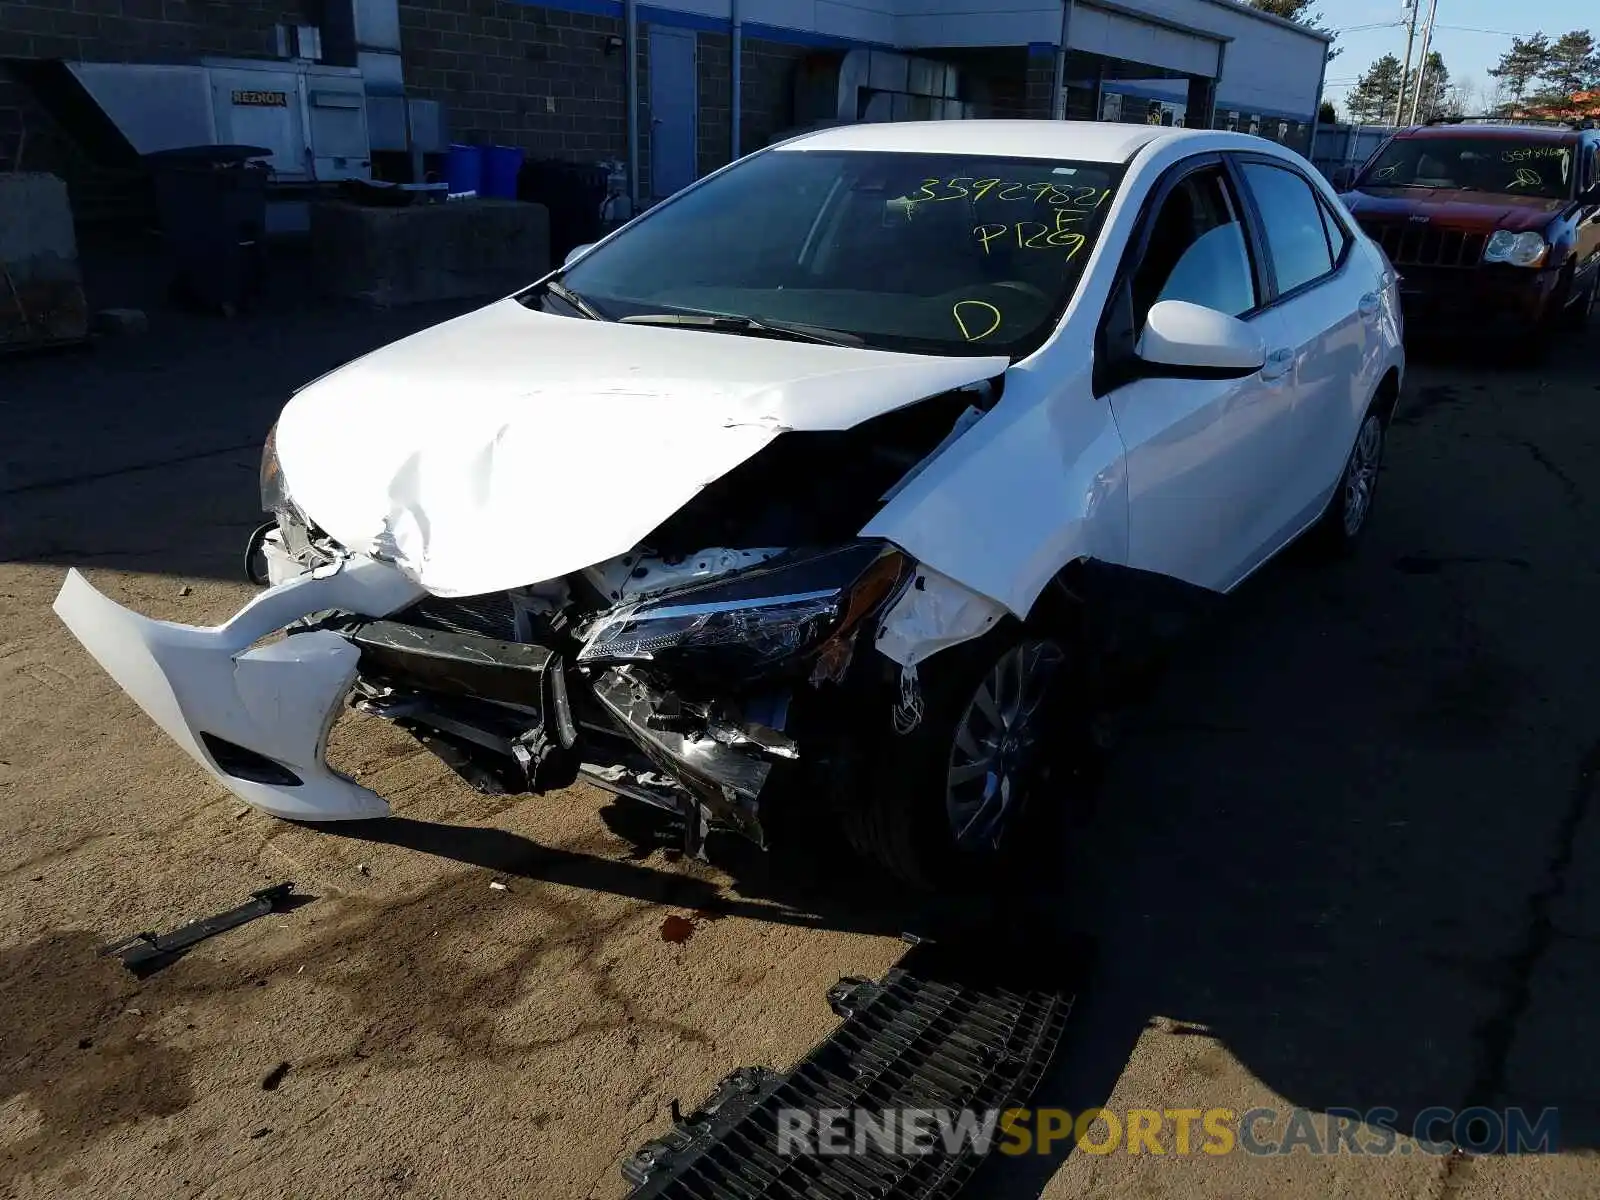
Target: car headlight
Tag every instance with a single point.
(1518, 249)
(758, 620)
(274, 491)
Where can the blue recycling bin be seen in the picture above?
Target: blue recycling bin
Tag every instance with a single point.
(463, 169)
(501, 166)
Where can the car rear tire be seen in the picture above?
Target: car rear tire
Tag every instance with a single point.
(999, 748)
(1341, 526)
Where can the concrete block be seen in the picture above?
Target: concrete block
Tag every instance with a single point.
(454, 251)
(41, 288)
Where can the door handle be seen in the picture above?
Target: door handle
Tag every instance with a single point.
(1370, 304)
(1279, 363)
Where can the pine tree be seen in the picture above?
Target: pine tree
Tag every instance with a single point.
(1571, 65)
(1525, 62)
(1435, 90)
(1372, 101)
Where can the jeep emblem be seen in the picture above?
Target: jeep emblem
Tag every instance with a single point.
(1419, 219)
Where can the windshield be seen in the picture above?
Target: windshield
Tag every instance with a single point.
(933, 253)
(1499, 164)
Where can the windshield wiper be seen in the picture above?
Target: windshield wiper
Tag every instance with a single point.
(722, 323)
(562, 292)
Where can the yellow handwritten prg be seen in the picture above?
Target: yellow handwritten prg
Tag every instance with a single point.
(990, 312)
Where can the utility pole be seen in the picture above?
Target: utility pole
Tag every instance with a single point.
(1422, 60)
(1405, 72)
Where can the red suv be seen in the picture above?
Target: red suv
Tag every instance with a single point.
(1487, 220)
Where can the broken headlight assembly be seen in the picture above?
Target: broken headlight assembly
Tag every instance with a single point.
(801, 605)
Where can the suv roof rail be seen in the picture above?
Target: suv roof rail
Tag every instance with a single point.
(1491, 119)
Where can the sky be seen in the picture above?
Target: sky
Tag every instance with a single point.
(1468, 53)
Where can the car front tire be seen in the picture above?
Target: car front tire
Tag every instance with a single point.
(997, 749)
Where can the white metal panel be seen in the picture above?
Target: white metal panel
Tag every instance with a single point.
(716, 9)
(865, 22)
(1267, 65)
(280, 128)
(978, 26)
(857, 20)
(155, 107)
(1100, 32)
(1276, 72)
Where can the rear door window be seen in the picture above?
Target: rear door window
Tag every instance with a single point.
(1338, 232)
(1292, 220)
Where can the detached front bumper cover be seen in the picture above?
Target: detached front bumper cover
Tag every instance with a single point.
(255, 717)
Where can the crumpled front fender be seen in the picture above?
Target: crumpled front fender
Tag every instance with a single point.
(276, 701)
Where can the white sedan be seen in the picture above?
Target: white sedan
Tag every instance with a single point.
(843, 484)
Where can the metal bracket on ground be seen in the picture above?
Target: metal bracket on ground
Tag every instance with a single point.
(143, 953)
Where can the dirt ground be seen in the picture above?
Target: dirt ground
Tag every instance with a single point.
(1346, 858)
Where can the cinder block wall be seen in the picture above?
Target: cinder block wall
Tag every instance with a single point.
(522, 75)
(544, 79)
(766, 88)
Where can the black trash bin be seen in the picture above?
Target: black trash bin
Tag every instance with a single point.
(572, 193)
(212, 202)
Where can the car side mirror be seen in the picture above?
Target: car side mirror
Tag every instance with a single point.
(1189, 341)
(576, 253)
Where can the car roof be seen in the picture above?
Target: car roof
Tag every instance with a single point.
(1536, 133)
(1081, 141)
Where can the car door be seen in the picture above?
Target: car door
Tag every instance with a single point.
(1325, 312)
(1197, 450)
(1588, 236)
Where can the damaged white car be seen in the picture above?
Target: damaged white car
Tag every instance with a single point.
(842, 484)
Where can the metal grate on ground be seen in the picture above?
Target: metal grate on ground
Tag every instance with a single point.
(952, 1027)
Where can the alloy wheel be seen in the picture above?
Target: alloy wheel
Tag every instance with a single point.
(999, 746)
(1361, 475)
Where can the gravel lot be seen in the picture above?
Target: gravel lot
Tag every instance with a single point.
(1346, 858)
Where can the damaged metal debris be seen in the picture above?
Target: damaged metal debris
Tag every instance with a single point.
(143, 953)
(969, 1024)
(678, 699)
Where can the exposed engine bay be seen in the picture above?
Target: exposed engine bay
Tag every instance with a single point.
(725, 653)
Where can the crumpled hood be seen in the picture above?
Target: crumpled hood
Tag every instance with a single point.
(508, 447)
(1476, 210)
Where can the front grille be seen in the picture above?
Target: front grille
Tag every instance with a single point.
(1416, 245)
(489, 615)
(953, 1027)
